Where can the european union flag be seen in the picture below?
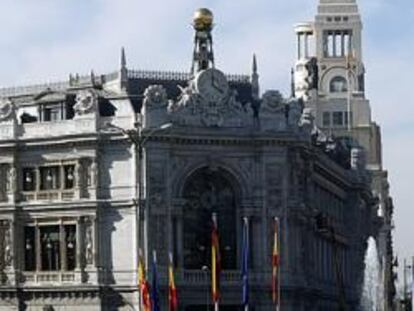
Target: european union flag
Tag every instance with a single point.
(245, 263)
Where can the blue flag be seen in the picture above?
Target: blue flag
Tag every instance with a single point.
(245, 263)
(154, 287)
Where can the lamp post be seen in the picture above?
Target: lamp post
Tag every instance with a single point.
(139, 139)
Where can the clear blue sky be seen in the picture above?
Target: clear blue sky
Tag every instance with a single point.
(45, 40)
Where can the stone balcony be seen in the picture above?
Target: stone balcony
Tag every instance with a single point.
(51, 278)
(80, 125)
(51, 195)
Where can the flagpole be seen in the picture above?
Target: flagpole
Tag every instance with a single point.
(214, 267)
(349, 88)
(278, 268)
(245, 263)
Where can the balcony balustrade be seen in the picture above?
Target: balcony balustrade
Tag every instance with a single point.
(51, 278)
(55, 195)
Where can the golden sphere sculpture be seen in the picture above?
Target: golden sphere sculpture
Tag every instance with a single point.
(203, 20)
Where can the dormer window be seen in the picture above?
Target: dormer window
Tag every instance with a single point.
(338, 85)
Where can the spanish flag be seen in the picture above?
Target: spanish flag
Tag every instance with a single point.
(275, 264)
(215, 262)
(143, 285)
(172, 291)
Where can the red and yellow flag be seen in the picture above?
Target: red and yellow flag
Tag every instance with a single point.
(143, 286)
(275, 264)
(172, 291)
(215, 262)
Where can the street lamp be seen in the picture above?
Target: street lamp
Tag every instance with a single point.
(138, 139)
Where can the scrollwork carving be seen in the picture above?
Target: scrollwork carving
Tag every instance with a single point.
(6, 109)
(272, 99)
(86, 101)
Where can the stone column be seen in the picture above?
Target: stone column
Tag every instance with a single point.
(37, 178)
(90, 249)
(79, 244)
(62, 247)
(38, 248)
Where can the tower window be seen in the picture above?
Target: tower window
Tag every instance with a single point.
(326, 118)
(338, 85)
(337, 43)
(338, 118)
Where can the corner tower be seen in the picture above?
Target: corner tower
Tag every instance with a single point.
(330, 75)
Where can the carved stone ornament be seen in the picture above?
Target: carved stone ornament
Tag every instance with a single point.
(155, 96)
(89, 241)
(86, 101)
(6, 109)
(213, 105)
(307, 119)
(11, 179)
(6, 243)
(272, 99)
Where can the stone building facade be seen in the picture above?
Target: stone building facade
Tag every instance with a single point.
(98, 167)
(329, 75)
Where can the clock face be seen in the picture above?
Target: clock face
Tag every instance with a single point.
(212, 85)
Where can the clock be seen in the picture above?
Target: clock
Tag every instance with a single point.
(212, 85)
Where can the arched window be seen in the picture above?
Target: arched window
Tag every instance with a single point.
(206, 192)
(338, 85)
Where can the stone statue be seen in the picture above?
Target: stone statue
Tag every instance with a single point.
(93, 174)
(307, 120)
(313, 73)
(11, 179)
(7, 243)
(155, 96)
(89, 243)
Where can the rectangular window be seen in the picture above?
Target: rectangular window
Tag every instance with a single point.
(29, 179)
(338, 44)
(49, 178)
(69, 176)
(70, 245)
(50, 254)
(57, 251)
(29, 249)
(326, 119)
(346, 117)
(52, 113)
(337, 118)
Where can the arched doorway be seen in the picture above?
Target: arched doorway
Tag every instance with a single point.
(207, 192)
